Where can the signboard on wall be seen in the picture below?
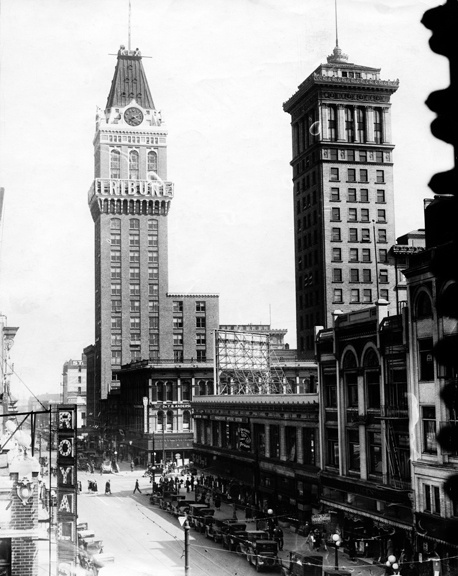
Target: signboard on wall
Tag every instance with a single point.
(67, 538)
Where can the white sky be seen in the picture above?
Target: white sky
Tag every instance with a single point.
(220, 72)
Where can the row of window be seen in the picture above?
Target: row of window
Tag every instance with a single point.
(134, 289)
(116, 322)
(352, 215)
(356, 123)
(133, 165)
(177, 306)
(351, 155)
(357, 296)
(134, 224)
(360, 255)
(363, 195)
(132, 139)
(357, 275)
(134, 240)
(135, 355)
(359, 235)
(153, 337)
(334, 175)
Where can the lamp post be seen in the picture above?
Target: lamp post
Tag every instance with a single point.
(392, 563)
(337, 542)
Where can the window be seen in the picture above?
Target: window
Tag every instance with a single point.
(153, 290)
(383, 276)
(353, 235)
(332, 456)
(116, 289)
(337, 255)
(134, 273)
(361, 127)
(152, 161)
(353, 450)
(363, 175)
(133, 165)
(365, 235)
(332, 155)
(335, 214)
(116, 306)
(115, 164)
(352, 195)
(134, 240)
(352, 215)
(201, 339)
(135, 339)
(178, 339)
(200, 322)
(178, 321)
(177, 306)
(115, 239)
(426, 362)
(153, 257)
(381, 216)
(367, 295)
(364, 215)
(152, 240)
(367, 275)
(178, 355)
(383, 255)
(153, 273)
(354, 295)
(353, 255)
(134, 289)
(134, 257)
(373, 389)
(334, 174)
(134, 224)
(350, 155)
(354, 275)
(153, 307)
(152, 225)
(381, 196)
(380, 176)
(378, 126)
(379, 156)
(349, 125)
(308, 446)
(115, 273)
(200, 306)
(335, 234)
(116, 339)
(364, 195)
(338, 295)
(351, 175)
(375, 452)
(116, 357)
(135, 324)
(201, 355)
(154, 339)
(384, 294)
(330, 390)
(335, 195)
(115, 224)
(432, 502)
(428, 418)
(116, 323)
(153, 323)
(337, 274)
(115, 256)
(366, 255)
(351, 382)
(332, 123)
(135, 306)
(424, 307)
(363, 156)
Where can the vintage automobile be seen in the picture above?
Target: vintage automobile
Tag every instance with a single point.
(204, 517)
(232, 535)
(216, 528)
(194, 512)
(302, 565)
(250, 537)
(180, 507)
(263, 554)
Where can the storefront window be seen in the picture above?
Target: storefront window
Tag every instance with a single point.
(375, 452)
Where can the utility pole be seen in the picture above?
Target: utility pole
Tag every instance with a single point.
(186, 547)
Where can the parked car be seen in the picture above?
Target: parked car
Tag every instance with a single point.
(231, 537)
(250, 537)
(180, 507)
(194, 512)
(216, 528)
(302, 565)
(263, 554)
(204, 518)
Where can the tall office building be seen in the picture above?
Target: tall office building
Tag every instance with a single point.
(136, 318)
(343, 193)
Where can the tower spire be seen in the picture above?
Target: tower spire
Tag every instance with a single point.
(337, 55)
(337, 33)
(128, 34)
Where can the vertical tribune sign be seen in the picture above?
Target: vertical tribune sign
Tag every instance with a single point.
(66, 489)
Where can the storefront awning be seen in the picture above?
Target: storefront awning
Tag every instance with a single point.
(367, 515)
(437, 540)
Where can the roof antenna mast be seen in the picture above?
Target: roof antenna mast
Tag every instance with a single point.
(128, 35)
(337, 35)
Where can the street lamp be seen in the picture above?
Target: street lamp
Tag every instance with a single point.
(391, 562)
(337, 542)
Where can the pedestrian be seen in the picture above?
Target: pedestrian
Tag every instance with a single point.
(131, 465)
(278, 537)
(137, 487)
(188, 485)
(108, 488)
(217, 501)
(94, 486)
(80, 487)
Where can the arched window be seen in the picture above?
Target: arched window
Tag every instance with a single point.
(186, 391)
(332, 123)
(361, 124)
(186, 420)
(115, 164)
(160, 391)
(169, 392)
(134, 224)
(424, 306)
(202, 388)
(133, 165)
(372, 378)
(349, 124)
(152, 161)
(210, 387)
(160, 421)
(169, 427)
(349, 361)
(115, 224)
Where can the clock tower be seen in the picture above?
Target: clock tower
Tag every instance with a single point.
(129, 201)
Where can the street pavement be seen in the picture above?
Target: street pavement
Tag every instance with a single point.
(145, 541)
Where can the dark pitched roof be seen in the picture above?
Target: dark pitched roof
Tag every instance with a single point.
(129, 81)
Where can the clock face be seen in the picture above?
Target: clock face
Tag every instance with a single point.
(133, 116)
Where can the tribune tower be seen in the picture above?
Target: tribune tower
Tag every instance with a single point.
(343, 193)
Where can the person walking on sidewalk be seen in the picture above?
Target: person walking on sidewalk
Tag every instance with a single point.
(108, 488)
(137, 487)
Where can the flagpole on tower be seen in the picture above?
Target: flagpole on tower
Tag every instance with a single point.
(128, 35)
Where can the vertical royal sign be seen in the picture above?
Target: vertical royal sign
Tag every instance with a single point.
(67, 544)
